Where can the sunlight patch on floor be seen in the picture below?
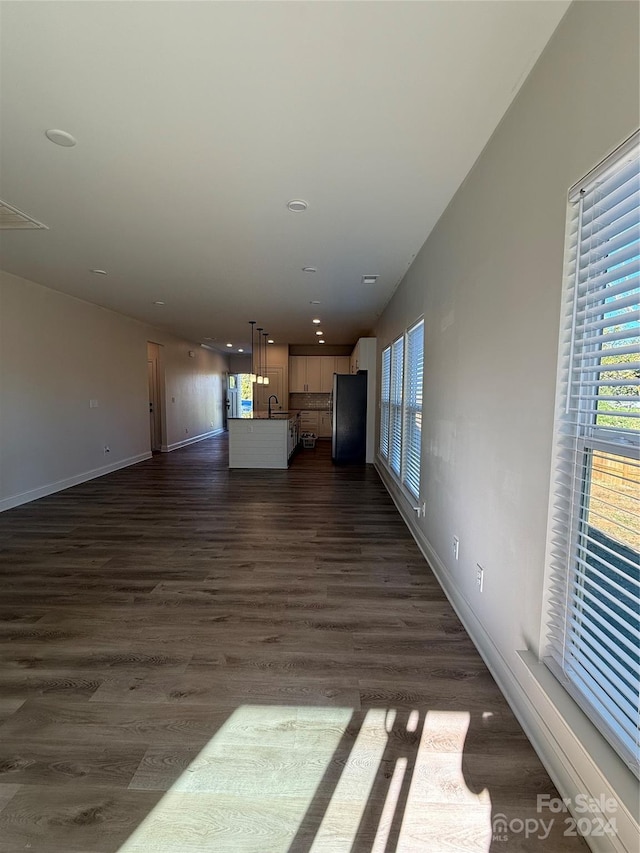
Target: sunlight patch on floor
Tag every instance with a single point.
(327, 780)
(249, 788)
(442, 814)
(349, 800)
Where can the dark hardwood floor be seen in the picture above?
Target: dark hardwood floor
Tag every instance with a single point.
(198, 659)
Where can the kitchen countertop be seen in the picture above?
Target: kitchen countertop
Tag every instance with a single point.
(277, 415)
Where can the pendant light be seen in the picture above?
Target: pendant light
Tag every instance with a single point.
(260, 379)
(266, 378)
(253, 375)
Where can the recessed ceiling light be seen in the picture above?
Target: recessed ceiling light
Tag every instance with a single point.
(316, 321)
(369, 279)
(309, 269)
(271, 341)
(229, 345)
(297, 205)
(240, 350)
(320, 342)
(60, 137)
(99, 272)
(158, 302)
(315, 302)
(319, 332)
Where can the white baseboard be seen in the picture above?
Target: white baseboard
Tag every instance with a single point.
(167, 448)
(544, 710)
(60, 485)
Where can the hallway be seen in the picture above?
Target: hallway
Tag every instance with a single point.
(198, 659)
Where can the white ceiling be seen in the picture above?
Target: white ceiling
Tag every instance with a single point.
(196, 122)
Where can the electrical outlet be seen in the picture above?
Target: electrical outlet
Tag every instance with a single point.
(479, 577)
(107, 449)
(456, 547)
(186, 432)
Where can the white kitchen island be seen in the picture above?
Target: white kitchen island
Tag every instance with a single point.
(261, 442)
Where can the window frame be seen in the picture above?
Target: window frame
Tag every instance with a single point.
(397, 406)
(385, 402)
(396, 399)
(412, 409)
(591, 595)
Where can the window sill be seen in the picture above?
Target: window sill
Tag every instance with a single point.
(581, 747)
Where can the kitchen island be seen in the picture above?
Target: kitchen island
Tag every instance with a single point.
(259, 441)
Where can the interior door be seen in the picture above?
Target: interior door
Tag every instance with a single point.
(233, 405)
(275, 386)
(154, 405)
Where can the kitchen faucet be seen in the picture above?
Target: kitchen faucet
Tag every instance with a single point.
(272, 397)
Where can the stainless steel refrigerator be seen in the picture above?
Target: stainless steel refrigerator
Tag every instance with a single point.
(349, 436)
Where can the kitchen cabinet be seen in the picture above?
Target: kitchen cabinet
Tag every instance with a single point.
(294, 436)
(317, 422)
(342, 364)
(261, 442)
(327, 369)
(309, 421)
(304, 374)
(314, 373)
(363, 356)
(324, 425)
(297, 373)
(329, 365)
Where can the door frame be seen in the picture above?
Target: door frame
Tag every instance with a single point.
(155, 391)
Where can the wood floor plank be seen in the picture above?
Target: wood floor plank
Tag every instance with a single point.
(27, 763)
(7, 791)
(198, 659)
(68, 721)
(77, 819)
(9, 705)
(201, 686)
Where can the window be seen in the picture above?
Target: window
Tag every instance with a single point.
(412, 440)
(594, 618)
(385, 384)
(395, 413)
(401, 407)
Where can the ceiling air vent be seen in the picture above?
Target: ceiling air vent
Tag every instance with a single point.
(11, 218)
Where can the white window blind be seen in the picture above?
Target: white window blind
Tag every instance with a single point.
(385, 385)
(395, 413)
(412, 437)
(594, 613)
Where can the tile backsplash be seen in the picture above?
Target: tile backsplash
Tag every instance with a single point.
(322, 402)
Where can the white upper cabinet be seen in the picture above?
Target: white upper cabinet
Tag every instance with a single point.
(314, 373)
(327, 369)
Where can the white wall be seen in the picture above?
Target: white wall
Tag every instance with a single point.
(488, 281)
(194, 389)
(56, 354)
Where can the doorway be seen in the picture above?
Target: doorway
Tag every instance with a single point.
(232, 396)
(275, 386)
(155, 407)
